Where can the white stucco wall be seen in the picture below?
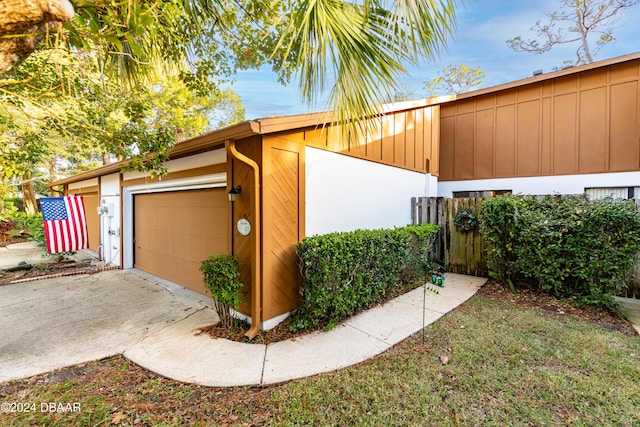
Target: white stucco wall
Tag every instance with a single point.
(344, 193)
(110, 227)
(564, 184)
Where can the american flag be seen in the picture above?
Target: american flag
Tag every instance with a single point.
(65, 224)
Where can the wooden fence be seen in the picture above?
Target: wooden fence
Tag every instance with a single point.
(465, 252)
(458, 252)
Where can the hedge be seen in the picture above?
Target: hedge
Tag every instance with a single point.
(564, 245)
(344, 273)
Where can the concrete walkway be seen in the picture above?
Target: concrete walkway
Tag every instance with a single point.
(632, 306)
(54, 323)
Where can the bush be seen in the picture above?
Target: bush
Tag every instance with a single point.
(344, 273)
(566, 246)
(222, 278)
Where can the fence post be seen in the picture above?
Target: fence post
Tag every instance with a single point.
(413, 210)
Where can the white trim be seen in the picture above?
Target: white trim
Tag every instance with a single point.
(82, 184)
(216, 180)
(539, 185)
(209, 158)
(264, 326)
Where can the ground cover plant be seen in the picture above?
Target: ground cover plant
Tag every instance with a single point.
(499, 359)
(567, 246)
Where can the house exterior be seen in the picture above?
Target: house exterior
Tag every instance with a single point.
(295, 178)
(565, 132)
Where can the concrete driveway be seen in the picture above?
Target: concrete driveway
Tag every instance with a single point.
(53, 323)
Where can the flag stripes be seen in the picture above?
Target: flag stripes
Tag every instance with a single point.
(65, 224)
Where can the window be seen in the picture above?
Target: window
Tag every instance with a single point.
(613, 192)
(483, 194)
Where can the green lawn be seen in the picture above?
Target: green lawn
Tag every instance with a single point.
(507, 365)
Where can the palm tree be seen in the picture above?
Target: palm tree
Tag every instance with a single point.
(355, 50)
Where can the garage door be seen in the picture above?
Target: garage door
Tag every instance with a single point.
(175, 231)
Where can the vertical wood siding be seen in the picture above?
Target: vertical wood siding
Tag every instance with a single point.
(587, 122)
(406, 139)
(283, 224)
(242, 175)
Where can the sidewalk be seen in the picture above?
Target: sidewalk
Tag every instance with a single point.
(176, 352)
(632, 306)
(53, 323)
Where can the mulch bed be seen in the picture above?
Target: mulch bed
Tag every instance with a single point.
(491, 289)
(553, 306)
(43, 271)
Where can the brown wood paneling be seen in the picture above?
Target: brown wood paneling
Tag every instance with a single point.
(449, 109)
(410, 140)
(422, 125)
(566, 84)
(528, 138)
(624, 152)
(434, 168)
(625, 72)
(242, 175)
(564, 134)
(399, 139)
(529, 92)
(485, 102)
(593, 129)
(447, 142)
(506, 97)
(283, 208)
(505, 155)
(593, 79)
(464, 152)
(546, 161)
(388, 138)
(175, 231)
(483, 159)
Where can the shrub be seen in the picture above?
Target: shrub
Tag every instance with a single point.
(566, 246)
(221, 275)
(344, 273)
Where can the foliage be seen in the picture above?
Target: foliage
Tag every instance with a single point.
(344, 273)
(578, 21)
(455, 79)
(62, 112)
(567, 246)
(465, 220)
(367, 45)
(221, 275)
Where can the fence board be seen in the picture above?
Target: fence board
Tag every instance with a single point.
(458, 252)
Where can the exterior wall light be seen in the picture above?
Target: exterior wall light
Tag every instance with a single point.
(233, 193)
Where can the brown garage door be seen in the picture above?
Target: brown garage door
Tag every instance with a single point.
(175, 231)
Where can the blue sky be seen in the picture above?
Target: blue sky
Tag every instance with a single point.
(479, 41)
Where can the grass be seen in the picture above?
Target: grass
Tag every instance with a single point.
(507, 365)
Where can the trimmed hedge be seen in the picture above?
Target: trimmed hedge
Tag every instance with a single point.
(345, 273)
(567, 246)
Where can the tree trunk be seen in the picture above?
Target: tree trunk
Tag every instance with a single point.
(29, 195)
(53, 170)
(106, 158)
(24, 23)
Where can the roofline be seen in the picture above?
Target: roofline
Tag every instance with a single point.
(544, 77)
(269, 125)
(217, 137)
